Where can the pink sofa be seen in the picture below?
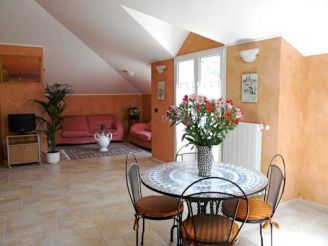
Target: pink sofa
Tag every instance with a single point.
(80, 129)
(140, 134)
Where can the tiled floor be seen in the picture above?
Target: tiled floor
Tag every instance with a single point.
(85, 202)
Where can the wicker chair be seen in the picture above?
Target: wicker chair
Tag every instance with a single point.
(185, 156)
(155, 207)
(262, 209)
(205, 223)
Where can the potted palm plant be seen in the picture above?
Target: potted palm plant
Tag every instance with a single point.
(53, 107)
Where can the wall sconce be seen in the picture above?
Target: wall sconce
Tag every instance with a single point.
(265, 127)
(160, 68)
(249, 55)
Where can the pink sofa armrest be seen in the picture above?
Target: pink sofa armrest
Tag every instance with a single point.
(138, 127)
(118, 126)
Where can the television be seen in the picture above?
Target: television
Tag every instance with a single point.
(21, 123)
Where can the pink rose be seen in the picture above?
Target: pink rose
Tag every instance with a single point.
(200, 100)
(192, 97)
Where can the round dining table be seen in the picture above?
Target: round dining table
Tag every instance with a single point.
(174, 177)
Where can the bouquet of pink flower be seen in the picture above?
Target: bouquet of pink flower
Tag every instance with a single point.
(206, 121)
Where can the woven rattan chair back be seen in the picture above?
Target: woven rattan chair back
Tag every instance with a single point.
(209, 225)
(186, 154)
(276, 182)
(132, 176)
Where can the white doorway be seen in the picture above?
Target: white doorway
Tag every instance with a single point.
(200, 73)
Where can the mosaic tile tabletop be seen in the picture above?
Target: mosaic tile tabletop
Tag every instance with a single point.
(173, 178)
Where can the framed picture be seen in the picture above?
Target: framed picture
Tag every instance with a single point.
(161, 90)
(249, 87)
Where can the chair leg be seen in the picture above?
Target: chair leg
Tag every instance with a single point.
(261, 234)
(143, 231)
(271, 227)
(172, 228)
(137, 237)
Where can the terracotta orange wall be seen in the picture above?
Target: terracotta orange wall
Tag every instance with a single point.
(16, 97)
(266, 110)
(291, 117)
(162, 133)
(146, 107)
(195, 42)
(314, 178)
(104, 104)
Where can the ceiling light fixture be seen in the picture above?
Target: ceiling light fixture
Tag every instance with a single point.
(249, 55)
(130, 74)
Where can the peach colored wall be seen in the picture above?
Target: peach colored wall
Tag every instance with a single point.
(266, 110)
(146, 107)
(195, 42)
(162, 133)
(314, 178)
(291, 120)
(104, 104)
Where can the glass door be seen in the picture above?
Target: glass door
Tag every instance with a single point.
(201, 73)
(185, 85)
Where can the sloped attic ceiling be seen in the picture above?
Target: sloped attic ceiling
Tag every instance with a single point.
(88, 43)
(302, 22)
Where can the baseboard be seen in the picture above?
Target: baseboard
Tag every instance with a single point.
(314, 205)
(156, 160)
(290, 203)
(307, 203)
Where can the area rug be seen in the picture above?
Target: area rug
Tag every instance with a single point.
(73, 152)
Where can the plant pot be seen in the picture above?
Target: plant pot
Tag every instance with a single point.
(204, 160)
(53, 157)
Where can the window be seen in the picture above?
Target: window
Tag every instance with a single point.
(200, 73)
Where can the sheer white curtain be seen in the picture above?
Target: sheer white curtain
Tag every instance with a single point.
(200, 73)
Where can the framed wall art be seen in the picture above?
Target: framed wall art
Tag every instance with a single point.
(249, 87)
(161, 90)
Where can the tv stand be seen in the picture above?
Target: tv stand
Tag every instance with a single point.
(22, 149)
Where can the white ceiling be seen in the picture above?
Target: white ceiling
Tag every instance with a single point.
(88, 43)
(302, 22)
(108, 29)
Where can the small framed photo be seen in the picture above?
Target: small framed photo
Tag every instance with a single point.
(161, 90)
(249, 87)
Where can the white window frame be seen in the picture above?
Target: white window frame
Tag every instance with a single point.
(196, 57)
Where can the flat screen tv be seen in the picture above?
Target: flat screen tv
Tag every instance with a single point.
(21, 123)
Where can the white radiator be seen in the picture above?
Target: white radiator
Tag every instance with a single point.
(243, 146)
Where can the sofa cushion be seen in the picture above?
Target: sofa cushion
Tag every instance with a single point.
(75, 134)
(107, 130)
(144, 135)
(95, 121)
(75, 123)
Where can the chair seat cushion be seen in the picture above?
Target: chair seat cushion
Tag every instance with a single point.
(158, 206)
(258, 209)
(144, 135)
(208, 229)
